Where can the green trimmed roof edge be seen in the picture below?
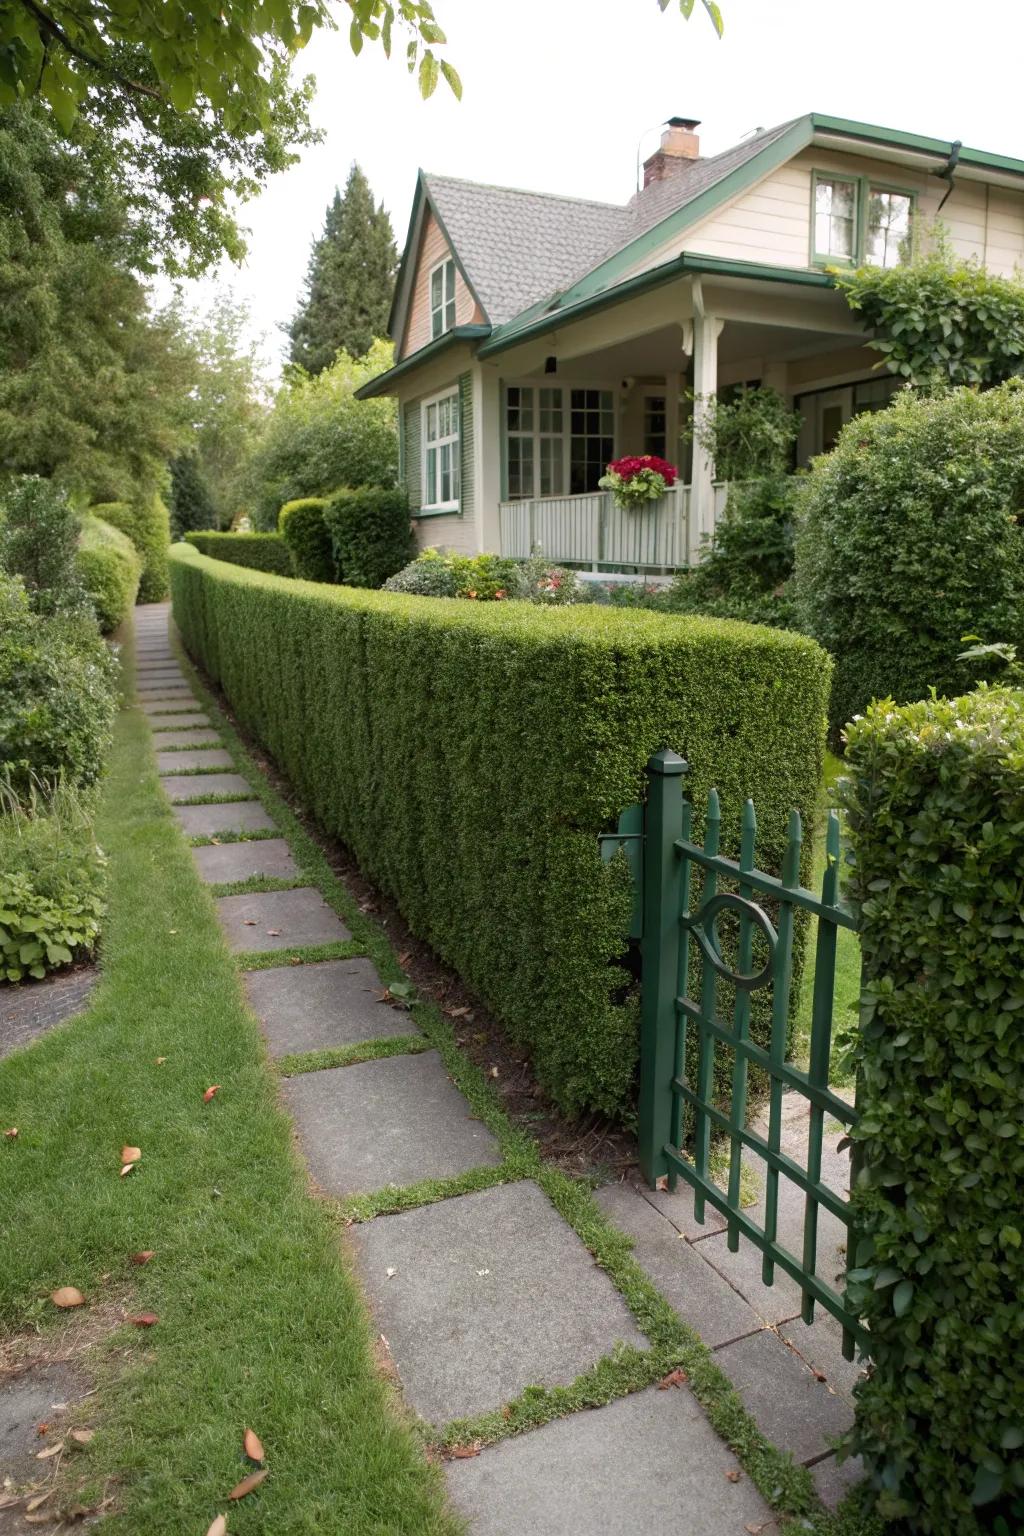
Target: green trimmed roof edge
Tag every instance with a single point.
(381, 385)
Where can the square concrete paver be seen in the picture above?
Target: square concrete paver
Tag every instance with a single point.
(184, 720)
(190, 739)
(312, 1007)
(242, 861)
(389, 1122)
(179, 762)
(167, 704)
(234, 816)
(677, 1206)
(834, 1478)
(490, 1293)
(699, 1294)
(821, 1345)
(266, 920)
(645, 1463)
(160, 686)
(792, 1409)
(189, 786)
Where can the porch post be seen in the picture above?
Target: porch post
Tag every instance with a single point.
(487, 449)
(706, 331)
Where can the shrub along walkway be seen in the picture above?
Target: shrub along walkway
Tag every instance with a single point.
(505, 1295)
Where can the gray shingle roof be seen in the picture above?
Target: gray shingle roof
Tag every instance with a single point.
(520, 247)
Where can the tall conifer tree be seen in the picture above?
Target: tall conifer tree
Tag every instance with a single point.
(350, 280)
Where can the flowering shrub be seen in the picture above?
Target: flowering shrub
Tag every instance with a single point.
(492, 578)
(638, 478)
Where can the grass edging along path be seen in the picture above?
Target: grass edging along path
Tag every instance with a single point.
(786, 1487)
(260, 1322)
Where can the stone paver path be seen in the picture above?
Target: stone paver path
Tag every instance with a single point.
(481, 1295)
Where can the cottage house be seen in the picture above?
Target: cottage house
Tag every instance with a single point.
(537, 337)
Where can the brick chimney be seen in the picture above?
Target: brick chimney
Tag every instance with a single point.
(679, 146)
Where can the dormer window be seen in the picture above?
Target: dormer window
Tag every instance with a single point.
(442, 298)
(854, 221)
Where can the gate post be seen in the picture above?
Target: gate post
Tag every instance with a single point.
(663, 824)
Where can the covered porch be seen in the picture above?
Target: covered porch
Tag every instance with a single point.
(636, 378)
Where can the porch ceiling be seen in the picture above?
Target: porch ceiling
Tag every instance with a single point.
(660, 352)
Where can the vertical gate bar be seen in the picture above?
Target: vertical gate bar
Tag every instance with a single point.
(741, 1027)
(682, 987)
(663, 823)
(821, 1045)
(705, 1040)
(782, 977)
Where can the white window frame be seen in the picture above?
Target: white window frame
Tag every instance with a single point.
(442, 314)
(565, 386)
(451, 440)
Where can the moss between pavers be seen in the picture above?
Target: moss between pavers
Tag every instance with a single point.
(787, 1488)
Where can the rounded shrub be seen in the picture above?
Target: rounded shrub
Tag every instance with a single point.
(911, 539)
(301, 524)
(110, 568)
(370, 533)
(147, 524)
(57, 694)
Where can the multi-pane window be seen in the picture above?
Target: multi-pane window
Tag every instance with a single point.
(835, 218)
(888, 231)
(591, 437)
(442, 298)
(441, 452)
(655, 425)
(855, 221)
(535, 441)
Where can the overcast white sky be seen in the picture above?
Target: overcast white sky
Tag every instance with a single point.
(559, 92)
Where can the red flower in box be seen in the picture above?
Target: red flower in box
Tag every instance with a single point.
(638, 478)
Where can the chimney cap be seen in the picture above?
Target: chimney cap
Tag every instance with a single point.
(683, 122)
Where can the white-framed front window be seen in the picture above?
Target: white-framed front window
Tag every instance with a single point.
(442, 298)
(558, 439)
(441, 452)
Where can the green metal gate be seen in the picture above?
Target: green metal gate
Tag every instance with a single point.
(684, 963)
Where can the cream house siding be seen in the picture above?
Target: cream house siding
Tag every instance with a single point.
(771, 223)
(433, 248)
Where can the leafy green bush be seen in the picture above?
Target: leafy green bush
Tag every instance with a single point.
(744, 574)
(490, 578)
(935, 807)
(51, 885)
(110, 568)
(470, 754)
(911, 538)
(147, 524)
(38, 542)
(301, 524)
(57, 694)
(319, 436)
(749, 435)
(939, 320)
(371, 534)
(259, 551)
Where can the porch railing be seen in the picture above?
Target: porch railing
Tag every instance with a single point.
(593, 530)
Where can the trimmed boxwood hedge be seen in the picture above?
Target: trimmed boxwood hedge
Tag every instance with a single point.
(110, 567)
(301, 525)
(258, 551)
(470, 754)
(935, 814)
(370, 533)
(147, 524)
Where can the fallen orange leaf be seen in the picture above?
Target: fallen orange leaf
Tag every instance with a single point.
(673, 1379)
(143, 1257)
(144, 1319)
(130, 1154)
(463, 1452)
(68, 1296)
(42, 1428)
(273, 933)
(127, 1169)
(208, 1095)
(160, 1060)
(253, 1445)
(82, 1436)
(247, 1484)
(51, 1450)
(219, 1527)
(11, 1134)
(734, 1475)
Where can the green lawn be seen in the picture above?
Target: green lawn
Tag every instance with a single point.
(261, 1323)
(847, 988)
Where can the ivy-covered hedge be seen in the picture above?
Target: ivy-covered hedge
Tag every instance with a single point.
(935, 810)
(301, 524)
(258, 551)
(147, 523)
(110, 567)
(370, 533)
(470, 754)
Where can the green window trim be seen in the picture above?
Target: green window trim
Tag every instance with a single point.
(863, 187)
